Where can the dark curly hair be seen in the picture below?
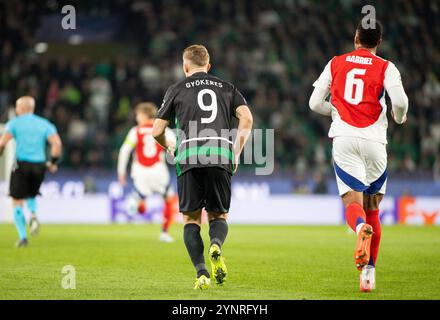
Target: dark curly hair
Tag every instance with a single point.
(370, 37)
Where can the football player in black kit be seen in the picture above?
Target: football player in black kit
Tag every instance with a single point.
(203, 107)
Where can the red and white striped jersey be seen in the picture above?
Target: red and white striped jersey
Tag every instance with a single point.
(357, 82)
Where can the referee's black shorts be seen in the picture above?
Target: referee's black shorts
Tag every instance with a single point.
(208, 188)
(26, 179)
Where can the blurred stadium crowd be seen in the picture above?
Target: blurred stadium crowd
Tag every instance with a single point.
(272, 50)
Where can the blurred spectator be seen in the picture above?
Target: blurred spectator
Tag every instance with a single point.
(320, 184)
(301, 184)
(100, 98)
(436, 169)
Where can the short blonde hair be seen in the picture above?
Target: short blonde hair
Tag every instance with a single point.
(197, 55)
(147, 108)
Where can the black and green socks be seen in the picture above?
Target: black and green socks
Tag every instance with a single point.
(194, 245)
(218, 230)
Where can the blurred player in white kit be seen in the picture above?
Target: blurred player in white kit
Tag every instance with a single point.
(149, 170)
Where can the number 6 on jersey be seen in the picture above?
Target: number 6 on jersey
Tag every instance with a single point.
(356, 84)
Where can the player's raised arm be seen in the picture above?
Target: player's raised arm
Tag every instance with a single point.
(159, 129)
(244, 116)
(163, 120)
(55, 151)
(124, 155)
(394, 88)
(317, 102)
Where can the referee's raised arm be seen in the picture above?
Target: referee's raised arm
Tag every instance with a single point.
(55, 151)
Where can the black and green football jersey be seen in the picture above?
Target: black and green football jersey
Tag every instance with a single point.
(202, 107)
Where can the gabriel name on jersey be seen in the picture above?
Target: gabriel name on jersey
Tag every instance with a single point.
(360, 60)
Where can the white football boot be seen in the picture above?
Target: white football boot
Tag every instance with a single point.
(165, 237)
(367, 281)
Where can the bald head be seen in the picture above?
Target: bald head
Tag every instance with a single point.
(25, 104)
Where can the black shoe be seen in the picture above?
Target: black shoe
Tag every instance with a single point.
(22, 243)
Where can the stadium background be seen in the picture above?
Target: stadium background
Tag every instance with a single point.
(88, 80)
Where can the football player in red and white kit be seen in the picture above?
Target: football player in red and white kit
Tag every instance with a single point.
(357, 82)
(149, 170)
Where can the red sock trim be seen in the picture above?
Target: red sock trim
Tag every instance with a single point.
(167, 215)
(374, 220)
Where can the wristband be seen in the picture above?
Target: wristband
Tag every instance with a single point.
(54, 160)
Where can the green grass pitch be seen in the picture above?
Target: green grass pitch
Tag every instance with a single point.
(264, 262)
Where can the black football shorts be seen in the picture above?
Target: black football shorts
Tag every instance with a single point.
(208, 188)
(26, 179)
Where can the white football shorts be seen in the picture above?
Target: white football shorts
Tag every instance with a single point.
(360, 165)
(149, 180)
